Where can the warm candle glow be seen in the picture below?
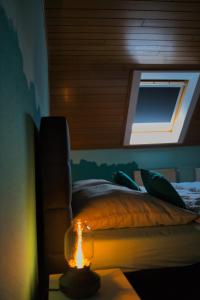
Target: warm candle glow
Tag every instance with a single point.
(79, 261)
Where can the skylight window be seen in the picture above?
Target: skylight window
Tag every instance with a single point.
(161, 104)
(156, 102)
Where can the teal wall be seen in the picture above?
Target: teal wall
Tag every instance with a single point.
(102, 163)
(23, 99)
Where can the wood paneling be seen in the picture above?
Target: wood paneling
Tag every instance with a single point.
(193, 136)
(93, 47)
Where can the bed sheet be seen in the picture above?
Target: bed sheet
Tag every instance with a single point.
(189, 192)
(133, 249)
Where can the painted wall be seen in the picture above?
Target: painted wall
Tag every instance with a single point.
(23, 99)
(102, 163)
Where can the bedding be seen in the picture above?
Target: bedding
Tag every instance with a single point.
(144, 243)
(88, 182)
(122, 178)
(190, 193)
(133, 249)
(108, 205)
(158, 186)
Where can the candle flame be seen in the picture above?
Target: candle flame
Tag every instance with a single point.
(79, 261)
(79, 258)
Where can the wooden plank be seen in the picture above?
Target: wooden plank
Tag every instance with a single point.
(117, 57)
(134, 66)
(73, 99)
(84, 133)
(104, 138)
(113, 42)
(89, 90)
(86, 112)
(76, 106)
(121, 58)
(120, 36)
(120, 5)
(112, 122)
(107, 138)
(97, 119)
(126, 14)
(76, 126)
(125, 59)
(77, 145)
(86, 67)
(196, 114)
(172, 23)
(95, 100)
(106, 103)
(91, 134)
(64, 49)
(139, 52)
(122, 29)
(192, 138)
(90, 75)
(60, 21)
(101, 108)
(88, 83)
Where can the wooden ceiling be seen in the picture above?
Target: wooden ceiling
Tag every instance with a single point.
(94, 45)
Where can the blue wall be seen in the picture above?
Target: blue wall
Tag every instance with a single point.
(102, 163)
(23, 99)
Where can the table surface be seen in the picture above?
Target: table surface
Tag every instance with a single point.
(114, 286)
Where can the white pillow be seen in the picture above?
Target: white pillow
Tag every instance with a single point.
(110, 206)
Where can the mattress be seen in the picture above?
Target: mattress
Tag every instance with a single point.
(133, 249)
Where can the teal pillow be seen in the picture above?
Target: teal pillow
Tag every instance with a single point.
(158, 186)
(123, 179)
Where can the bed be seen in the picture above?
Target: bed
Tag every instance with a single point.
(130, 249)
(133, 237)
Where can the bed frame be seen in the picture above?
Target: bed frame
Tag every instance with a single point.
(55, 189)
(55, 194)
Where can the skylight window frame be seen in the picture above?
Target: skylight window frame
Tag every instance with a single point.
(182, 112)
(163, 126)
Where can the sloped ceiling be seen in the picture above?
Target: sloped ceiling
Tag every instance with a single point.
(94, 45)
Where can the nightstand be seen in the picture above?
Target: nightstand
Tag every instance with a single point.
(114, 286)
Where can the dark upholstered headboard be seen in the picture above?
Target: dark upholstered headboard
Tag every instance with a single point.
(55, 181)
